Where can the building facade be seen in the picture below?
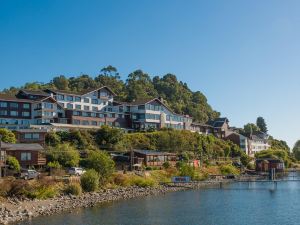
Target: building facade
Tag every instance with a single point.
(89, 109)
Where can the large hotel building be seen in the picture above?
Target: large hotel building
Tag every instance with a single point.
(56, 109)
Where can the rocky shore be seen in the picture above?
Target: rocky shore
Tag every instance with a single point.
(13, 210)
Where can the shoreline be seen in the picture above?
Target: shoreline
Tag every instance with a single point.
(14, 210)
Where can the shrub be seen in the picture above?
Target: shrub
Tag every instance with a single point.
(121, 180)
(229, 170)
(187, 170)
(101, 162)
(142, 182)
(166, 165)
(73, 189)
(90, 180)
(13, 163)
(65, 154)
(42, 192)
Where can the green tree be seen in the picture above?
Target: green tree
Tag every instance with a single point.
(90, 180)
(250, 128)
(101, 162)
(261, 124)
(108, 137)
(139, 86)
(296, 150)
(52, 139)
(7, 136)
(65, 154)
(61, 82)
(13, 163)
(110, 77)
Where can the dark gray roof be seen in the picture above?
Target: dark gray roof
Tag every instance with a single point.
(79, 93)
(219, 122)
(21, 147)
(35, 92)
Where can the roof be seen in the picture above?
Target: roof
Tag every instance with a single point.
(35, 92)
(79, 93)
(14, 98)
(269, 160)
(201, 124)
(219, 122)
(153, 152)
(20, 147)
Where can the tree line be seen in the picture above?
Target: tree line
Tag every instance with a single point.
(138, 85)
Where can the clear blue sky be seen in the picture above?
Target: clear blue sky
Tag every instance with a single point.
(243, 55)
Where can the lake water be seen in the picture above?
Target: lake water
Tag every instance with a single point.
(235, 204)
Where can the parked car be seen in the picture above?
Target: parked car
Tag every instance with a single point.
(77, 171)
(29, 174)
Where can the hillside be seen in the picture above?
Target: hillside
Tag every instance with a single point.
(138, 85)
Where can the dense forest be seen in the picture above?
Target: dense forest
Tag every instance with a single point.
(138, 85)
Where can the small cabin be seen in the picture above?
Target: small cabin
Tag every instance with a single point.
(28, 155)
(155, 158)
(265, 165)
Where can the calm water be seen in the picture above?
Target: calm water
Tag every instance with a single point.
(233, 205)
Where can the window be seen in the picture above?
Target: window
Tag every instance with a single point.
(70, 98)
(3, 104)
(69, 106)
(48, 105)
(25, 156)
(77, 99)
(86, 100)
(25, 114)
(86, 108)
(32, 136)
(78, 107)
(60, 97)
(120, 116)
(85, 114)
(94, 101)
(93, 114)
(120, 108)
(141, 107)
(95, 108)
(36, 136)
(3, 113)
(85, 122)
(101, 115)
(111, 115)
(76, 113)
(77, 122)
(26, 106)
(95, 93)
(14, 113)
(14, 105)
(103, 93)
(94, 123)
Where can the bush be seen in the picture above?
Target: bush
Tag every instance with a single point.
(229, 170)
(166, 165)
(13, 163)
(101, 162)
(90, 180)
(73, 189)
(65, 154)
(142, 182)
(187, 170)
(42, 192)
(121, 180)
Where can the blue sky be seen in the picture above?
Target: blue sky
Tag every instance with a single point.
(243, 55)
